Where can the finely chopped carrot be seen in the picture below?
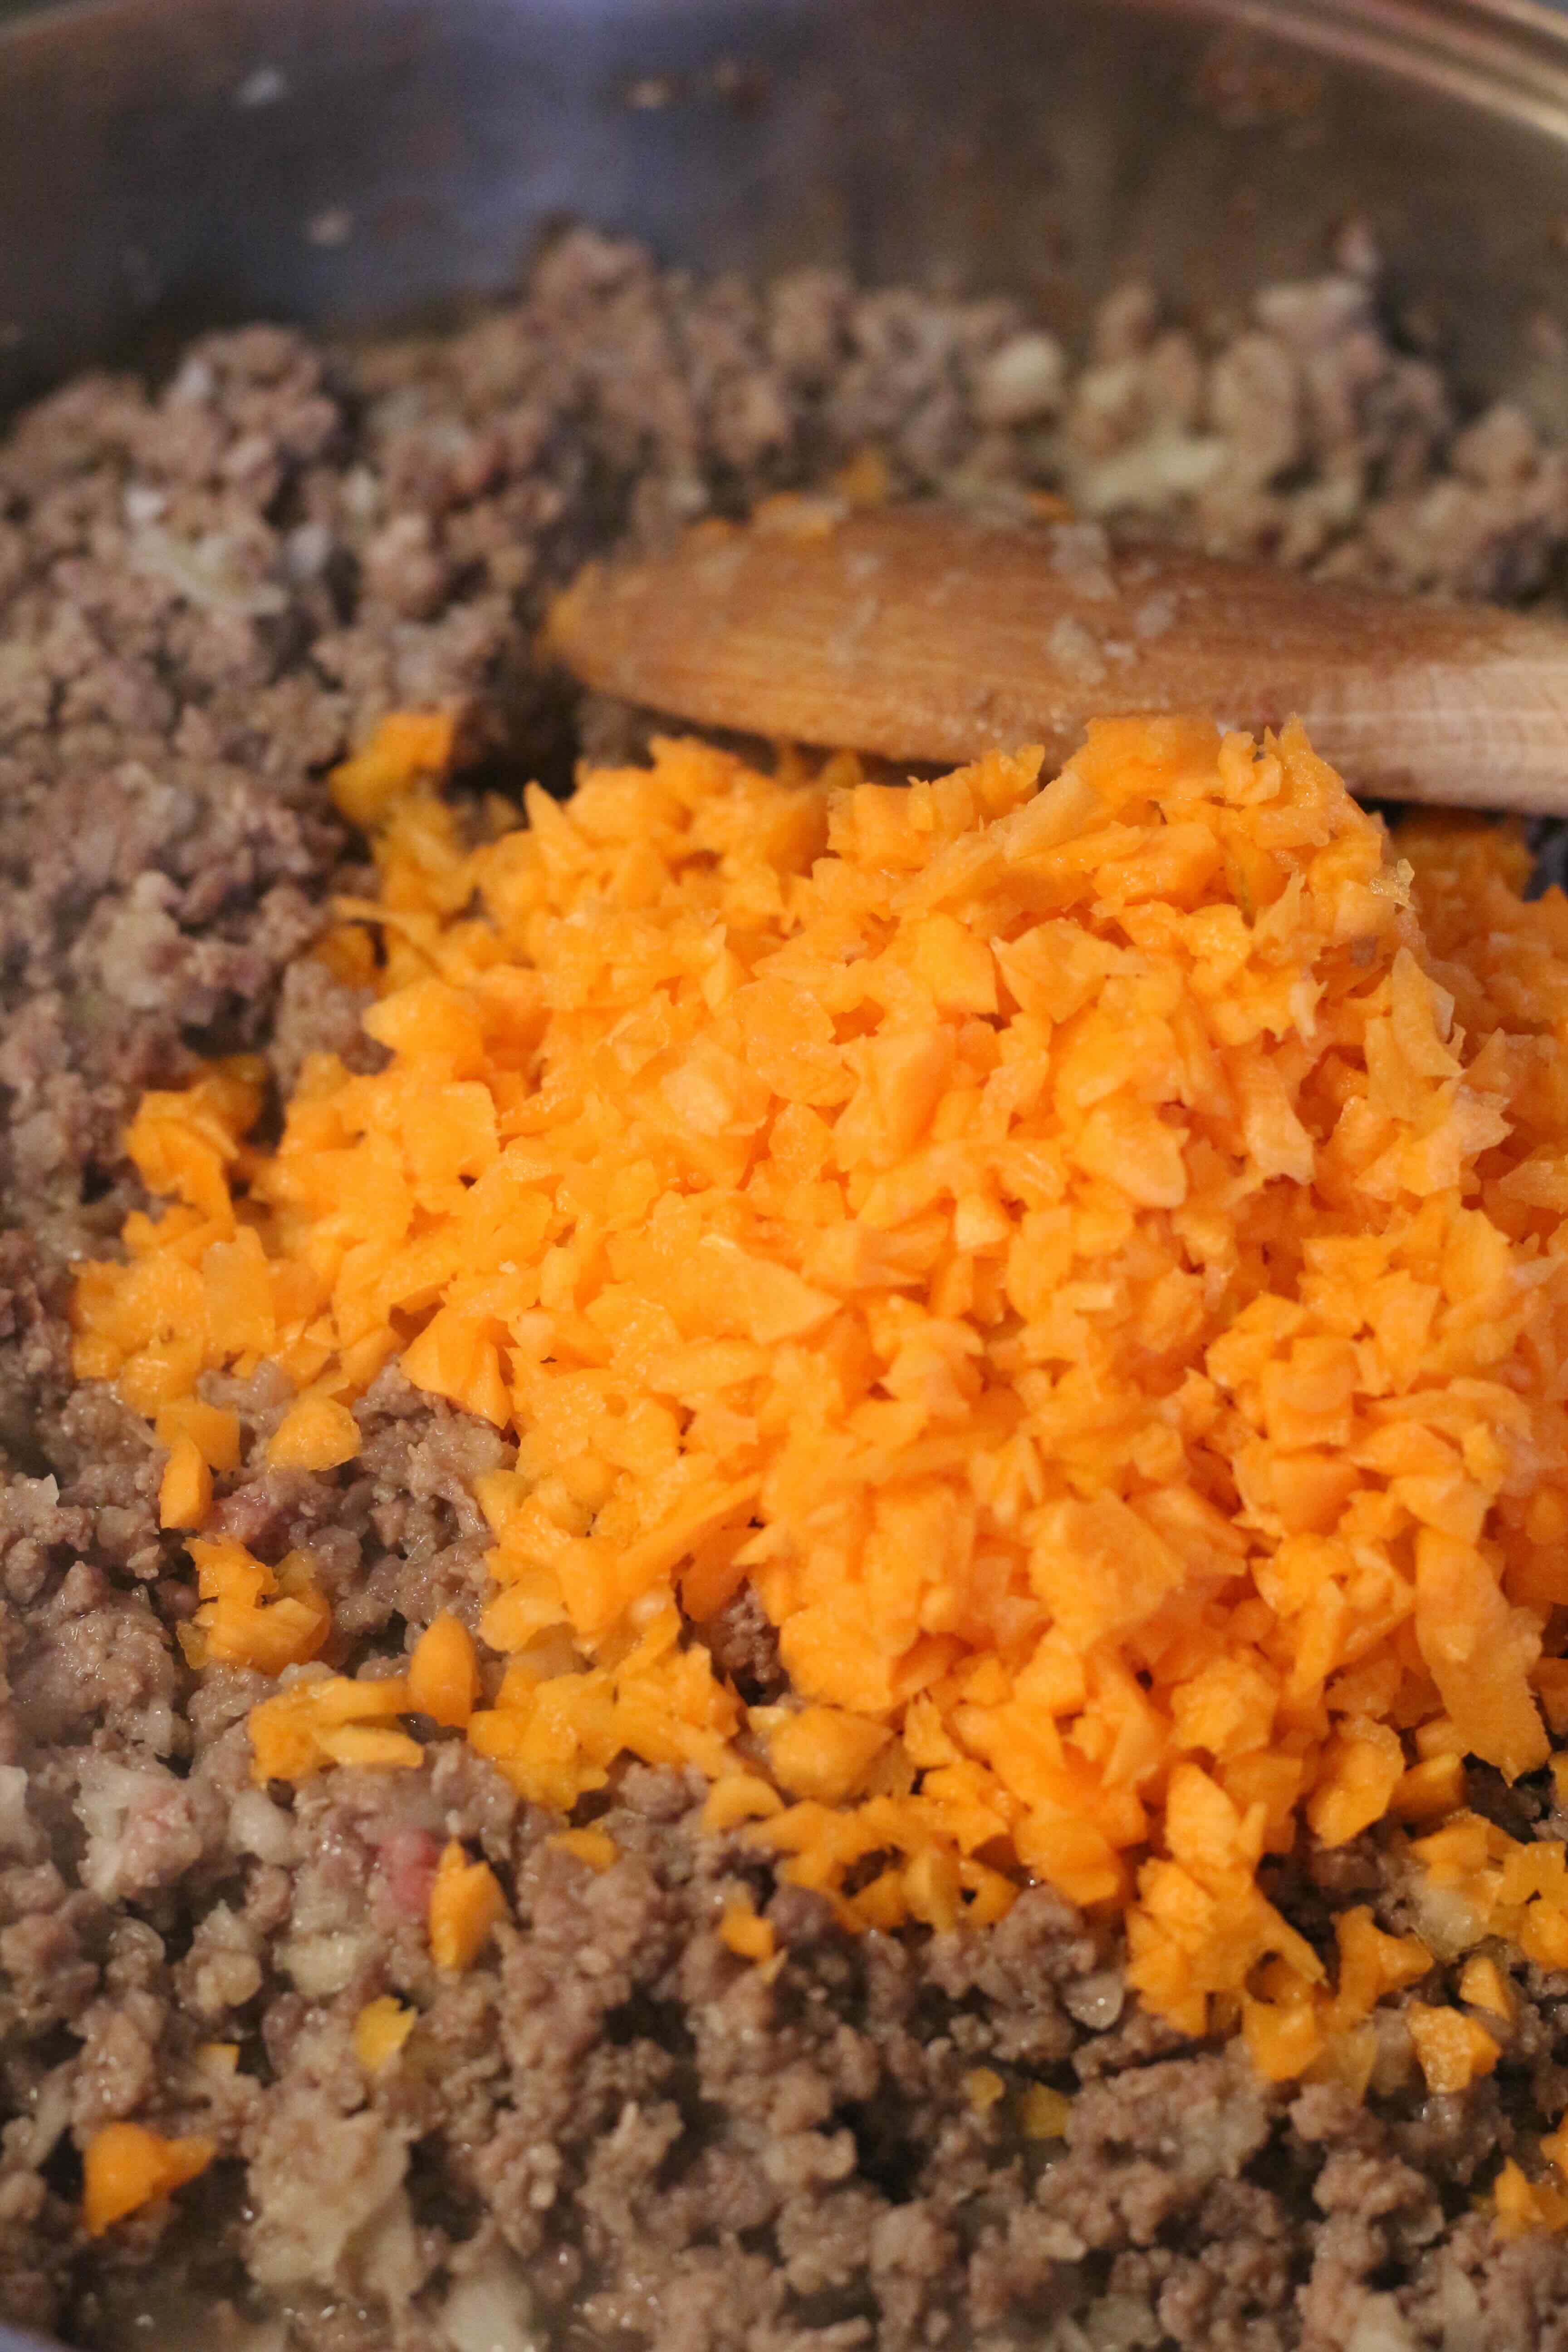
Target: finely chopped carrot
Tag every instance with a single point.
(124, 2166)
(1090, 1258)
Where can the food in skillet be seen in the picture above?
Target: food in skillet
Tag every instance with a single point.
(325, 2012)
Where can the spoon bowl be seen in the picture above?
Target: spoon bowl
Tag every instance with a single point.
(936, 633)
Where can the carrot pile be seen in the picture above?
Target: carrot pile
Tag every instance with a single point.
(1088, 1255)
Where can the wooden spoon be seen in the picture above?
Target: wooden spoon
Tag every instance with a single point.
(932, 634)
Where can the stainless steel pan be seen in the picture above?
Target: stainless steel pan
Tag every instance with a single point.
(171, 163)
(164, 163)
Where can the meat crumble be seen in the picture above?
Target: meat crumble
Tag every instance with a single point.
(612, 2130)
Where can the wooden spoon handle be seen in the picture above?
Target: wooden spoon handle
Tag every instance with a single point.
(930, 634)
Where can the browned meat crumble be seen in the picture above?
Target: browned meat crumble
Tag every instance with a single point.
(612, 2131)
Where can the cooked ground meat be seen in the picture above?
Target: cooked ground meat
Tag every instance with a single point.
(612, 2130)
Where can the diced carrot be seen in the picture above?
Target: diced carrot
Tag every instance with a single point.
(185, 1490)
(214, 1429)
(1544, 1936)
(380, 2030)
(597, 1848)
(825, 1753)
(1483, 1984)
(1358, 1781)
(466, 1901)
(1373, 1964)
(372, 1747)
(283, 1633)
(125, 2166)
(989, 1893)
(317, 1432)
(747, 1936)
(329, 1719)
(407, 747)
(1522, 2205)
(1282, 2038)
(1434, 1786)
(342, 1698)
(443, 1673)
(882, 1904)
(1453, 2049)
(739, 1796)
(931, 1889)
(282, 1743)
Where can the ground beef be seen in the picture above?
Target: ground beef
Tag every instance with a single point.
(612, 2130)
